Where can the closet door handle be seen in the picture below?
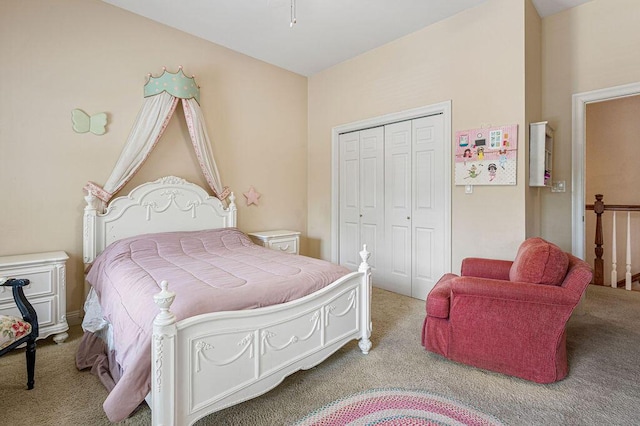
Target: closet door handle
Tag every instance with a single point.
(408, 217)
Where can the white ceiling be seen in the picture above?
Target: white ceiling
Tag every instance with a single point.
(327, 31)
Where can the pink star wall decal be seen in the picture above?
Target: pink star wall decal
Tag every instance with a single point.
(252, 196)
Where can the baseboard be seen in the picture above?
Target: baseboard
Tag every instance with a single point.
(74, 318)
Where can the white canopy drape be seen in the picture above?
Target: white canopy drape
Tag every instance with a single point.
(161, 98)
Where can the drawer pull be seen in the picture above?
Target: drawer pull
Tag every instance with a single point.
(284, 248)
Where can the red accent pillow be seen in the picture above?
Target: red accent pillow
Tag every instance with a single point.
(540, 262)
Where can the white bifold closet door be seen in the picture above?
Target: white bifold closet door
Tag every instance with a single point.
(392, 197)
(414, 205)
(362, 197)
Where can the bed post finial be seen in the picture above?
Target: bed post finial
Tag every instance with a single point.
(233, 210)
(164, 299)
(91, 201)
(364, 255)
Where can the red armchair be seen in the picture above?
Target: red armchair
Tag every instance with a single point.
(508, 317)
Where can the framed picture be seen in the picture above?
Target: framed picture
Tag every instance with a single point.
(489, 158)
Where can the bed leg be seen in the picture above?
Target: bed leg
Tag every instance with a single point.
(365, 302)
(163, 354)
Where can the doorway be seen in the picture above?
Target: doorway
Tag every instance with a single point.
(578, 160)
(612, 129)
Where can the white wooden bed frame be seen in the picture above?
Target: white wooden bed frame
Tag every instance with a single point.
(209, 362)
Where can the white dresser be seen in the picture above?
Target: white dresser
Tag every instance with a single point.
(46, 290)
(281, 240)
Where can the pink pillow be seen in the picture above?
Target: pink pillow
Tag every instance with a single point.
(540, 262)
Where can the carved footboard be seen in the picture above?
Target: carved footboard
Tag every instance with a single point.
(209, 362)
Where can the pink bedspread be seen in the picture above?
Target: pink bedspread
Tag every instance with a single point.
(213, 270)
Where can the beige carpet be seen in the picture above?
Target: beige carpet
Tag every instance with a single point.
(602, 386)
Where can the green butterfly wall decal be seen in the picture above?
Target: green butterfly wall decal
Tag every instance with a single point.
(83, 122)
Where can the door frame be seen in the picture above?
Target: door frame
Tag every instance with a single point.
(443, 108)
(578, 155)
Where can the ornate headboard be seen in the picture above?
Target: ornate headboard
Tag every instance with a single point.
(167, 204)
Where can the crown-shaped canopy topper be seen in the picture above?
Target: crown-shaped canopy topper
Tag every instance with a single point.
(176, 84)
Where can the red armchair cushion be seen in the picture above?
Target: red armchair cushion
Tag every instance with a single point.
(539, 262)
(486, 268)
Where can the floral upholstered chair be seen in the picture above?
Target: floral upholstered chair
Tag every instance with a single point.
(15, 331)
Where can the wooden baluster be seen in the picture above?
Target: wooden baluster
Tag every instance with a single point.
(627, 276)
(614, 256)
(598, 263)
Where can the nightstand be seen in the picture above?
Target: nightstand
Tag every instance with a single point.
(281, 240)
(47, 290)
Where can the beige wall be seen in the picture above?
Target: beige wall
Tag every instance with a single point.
(589, 47)
(612, 170)
(58, 55)
(475, 59)
(533, 109)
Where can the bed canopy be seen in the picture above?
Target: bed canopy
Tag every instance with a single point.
(161, 96)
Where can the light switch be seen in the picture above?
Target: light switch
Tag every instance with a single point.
(559, 186)
(468, 189)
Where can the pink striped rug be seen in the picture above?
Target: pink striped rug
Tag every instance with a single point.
(386, 407)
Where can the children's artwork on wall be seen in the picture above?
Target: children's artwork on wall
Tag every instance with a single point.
(486, 156)
(83, 122)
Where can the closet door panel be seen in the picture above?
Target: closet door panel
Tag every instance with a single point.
(349, 245)
(428, 204)
(424, 180)
(398, 206)
(399, 183)
(399, 263)
(424, 253)
(372, 198)
(349, 200)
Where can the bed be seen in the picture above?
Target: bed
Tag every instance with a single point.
(204, 363)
